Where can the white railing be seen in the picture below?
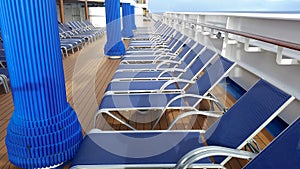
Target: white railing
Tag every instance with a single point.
(263, 45)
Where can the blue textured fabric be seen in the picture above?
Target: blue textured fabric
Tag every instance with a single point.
(198, 64)
(138, 85)
(114, 45)
(246, 115)
(283, 152)
(140, 101)
(91, 152)
(4, 71)
(194, 52)
(43, 130)
(133, 16)
(212, 74)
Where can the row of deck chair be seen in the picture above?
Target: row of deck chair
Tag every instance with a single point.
(185, 149)
(76, 34)
(168, 87)
(157, 38)
(146, 33)
(192, 71)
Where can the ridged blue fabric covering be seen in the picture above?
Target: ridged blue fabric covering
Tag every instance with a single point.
(133, 16)
(283, 152)
(44, 129)
(127, 24)
(114, 45)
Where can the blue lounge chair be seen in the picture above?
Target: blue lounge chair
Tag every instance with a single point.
(163, 149)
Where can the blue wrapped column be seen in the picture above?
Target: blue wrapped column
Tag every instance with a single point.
(114, 45)
(43, 130)
(133, 17)
(127, 23)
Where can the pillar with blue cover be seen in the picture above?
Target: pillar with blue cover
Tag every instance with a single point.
(127, 23)
(43, 130)
(133, 16)
(114, 45)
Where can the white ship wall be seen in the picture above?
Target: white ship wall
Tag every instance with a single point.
(252, 64)
(74, 12)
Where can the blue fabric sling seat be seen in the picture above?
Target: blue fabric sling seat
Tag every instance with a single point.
(215, 71)
(141, 149)
(186, 70)
(184, 55)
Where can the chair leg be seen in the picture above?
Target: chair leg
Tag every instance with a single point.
(5, 83)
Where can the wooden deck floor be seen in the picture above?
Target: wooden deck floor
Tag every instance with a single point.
(87, 73)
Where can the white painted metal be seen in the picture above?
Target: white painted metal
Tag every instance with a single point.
(279, 66)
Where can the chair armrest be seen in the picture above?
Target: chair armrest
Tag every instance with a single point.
(169, 82)
(171, 70)
(167, 62)
(196, 112)
(208, 151)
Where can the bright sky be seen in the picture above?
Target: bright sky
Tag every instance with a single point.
(223, 5)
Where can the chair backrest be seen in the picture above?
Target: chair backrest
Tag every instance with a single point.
(178, 42)
(4, 71)
(251, 113)
(283, 152)
(191, 55)
(186, 48)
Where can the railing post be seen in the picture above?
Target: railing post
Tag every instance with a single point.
(44, 130)
(114, 45)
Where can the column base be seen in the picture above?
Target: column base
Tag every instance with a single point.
(114, 57)
(44, 143)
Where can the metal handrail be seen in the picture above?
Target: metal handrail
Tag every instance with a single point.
(278, 42)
